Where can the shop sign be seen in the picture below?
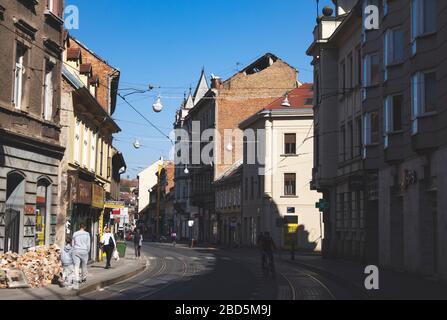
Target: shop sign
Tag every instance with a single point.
(114, 205)
(80, 190)
(84, 192)
(97, 196)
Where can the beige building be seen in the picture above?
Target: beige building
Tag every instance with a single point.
(91, 166)
(275, 184)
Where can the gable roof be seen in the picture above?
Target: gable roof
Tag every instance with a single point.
(201, 89)
(299, 98)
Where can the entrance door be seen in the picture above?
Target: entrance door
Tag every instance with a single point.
(15, 203)
(12, 230)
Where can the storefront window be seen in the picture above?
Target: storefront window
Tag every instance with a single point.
(43, 211)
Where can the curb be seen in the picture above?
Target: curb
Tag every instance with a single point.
(105, 283)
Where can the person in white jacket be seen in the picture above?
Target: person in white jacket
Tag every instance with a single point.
(108, 244)
(81, 250)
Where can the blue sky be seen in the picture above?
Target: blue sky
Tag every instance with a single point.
(166, 43)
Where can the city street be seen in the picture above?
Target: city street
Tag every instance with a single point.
(182, 273)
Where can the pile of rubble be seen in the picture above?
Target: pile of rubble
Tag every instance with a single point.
(40, 265)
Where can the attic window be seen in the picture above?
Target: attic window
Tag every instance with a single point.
(260, 65)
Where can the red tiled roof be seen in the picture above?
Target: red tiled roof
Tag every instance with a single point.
(299, 98)
(73, 53)
(85, 68)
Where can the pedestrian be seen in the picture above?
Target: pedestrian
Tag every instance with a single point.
(174, 238)
(81, 249)
(138, 242)
(109, 244)
(67, 264)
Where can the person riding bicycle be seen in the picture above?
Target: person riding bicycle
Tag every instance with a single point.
(267, 246)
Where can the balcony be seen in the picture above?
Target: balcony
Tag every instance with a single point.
(425, 139)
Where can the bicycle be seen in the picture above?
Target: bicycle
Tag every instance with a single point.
(268, 266)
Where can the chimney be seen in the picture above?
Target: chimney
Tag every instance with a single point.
(216, 82)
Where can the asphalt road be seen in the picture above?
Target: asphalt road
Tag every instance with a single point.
(181, 273)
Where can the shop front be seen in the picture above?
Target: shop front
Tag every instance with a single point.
(86, 206)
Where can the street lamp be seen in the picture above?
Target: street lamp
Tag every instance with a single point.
(157, 106)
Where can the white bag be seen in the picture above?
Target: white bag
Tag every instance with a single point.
(116, 256)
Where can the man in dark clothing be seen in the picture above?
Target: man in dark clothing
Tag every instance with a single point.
(138, 242)
(267, 246)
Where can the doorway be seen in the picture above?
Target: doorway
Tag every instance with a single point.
(15, 203)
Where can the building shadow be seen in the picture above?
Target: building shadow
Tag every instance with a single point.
(2, 155)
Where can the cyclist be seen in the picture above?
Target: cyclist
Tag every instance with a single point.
(174, 238)
(267, 248)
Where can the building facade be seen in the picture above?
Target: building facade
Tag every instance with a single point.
(91, 168)
(184, 210)
(277, 170)
(31, 37)
(214, 121)
(228, 201)
(403, 136)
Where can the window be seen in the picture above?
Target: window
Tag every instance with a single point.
(385, 8)
(343, 77)
(370, 130)
(259, 187)
(101, 156)
(393, 47)
(359, 66)
(48, 91)
(55, 7)
(19, 79)
(351, 139)
(392, 116)
(77, 142)
(351, 71)
(359, 136)
(423, 93)
(85, 147)
(290, 143)
(290, 184)
(343, 152)
(423, 19)
(93, 152)
(371, 72)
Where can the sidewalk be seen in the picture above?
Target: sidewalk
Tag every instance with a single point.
(393, 285)
(98, 277)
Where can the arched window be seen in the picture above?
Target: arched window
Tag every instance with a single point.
(15, 204)
(43, 211)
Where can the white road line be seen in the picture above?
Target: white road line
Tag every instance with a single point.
(169, 258)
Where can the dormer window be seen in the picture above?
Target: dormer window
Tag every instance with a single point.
(74, 54)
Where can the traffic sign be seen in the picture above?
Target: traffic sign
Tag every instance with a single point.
(322, 205)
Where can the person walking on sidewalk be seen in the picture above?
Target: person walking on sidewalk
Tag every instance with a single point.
(174, 238)
(109, 244)
(81, 251)
(67, 264)
(138, 242)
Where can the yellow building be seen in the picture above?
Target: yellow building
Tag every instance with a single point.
(91, 165)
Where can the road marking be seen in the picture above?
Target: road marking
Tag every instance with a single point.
(169, 258)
